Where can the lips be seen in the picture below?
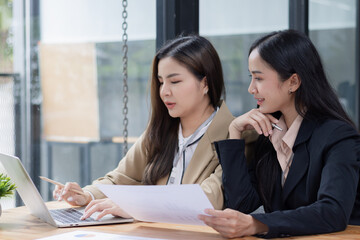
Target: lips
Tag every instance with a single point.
(260, 100)
(170, 105)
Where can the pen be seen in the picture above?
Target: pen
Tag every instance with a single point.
(59, 184)
(276, 126)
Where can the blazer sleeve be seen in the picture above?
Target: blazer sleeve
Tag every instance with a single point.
(336, 195)
(238, 180)
(212, 188)
(128, 172)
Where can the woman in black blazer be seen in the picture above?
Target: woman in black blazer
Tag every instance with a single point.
(305, 170)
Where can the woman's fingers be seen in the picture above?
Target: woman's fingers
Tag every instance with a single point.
(229, 223)
(263, 121)
(67, 193)
(216, 218)
(254, 119)
(255, 124)
(105, 207)
(69, 186)
(222, 221)
(92, 203)
(226, 213)
(91, 208)
(241, 123)
(272, 118)
(103, 213)
(57, 192)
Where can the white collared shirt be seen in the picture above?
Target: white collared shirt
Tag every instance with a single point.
(183, 158)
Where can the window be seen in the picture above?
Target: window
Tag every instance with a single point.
(332, 28)
(8, 86)
(81, 63)
(232, 26)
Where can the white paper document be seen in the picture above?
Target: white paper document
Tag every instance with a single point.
(94, 236)
(160, 203)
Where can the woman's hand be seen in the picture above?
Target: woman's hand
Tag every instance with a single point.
(230, 223)
(104, 206)
(75, 199)
(254, 119)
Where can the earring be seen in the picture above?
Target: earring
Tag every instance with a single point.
(290, 92)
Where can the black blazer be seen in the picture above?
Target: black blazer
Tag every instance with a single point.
(321, 192)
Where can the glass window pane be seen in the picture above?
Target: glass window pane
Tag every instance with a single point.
(232, 26)
(332, 30)
(81, 72)
(7, 89)
(6, 46)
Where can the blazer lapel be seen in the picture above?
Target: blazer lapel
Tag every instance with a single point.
(297, 170)
(300, 163)
(205, 151)
(201, 158)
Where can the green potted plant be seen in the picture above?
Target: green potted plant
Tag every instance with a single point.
(6, 187)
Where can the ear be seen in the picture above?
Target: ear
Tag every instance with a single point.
(204, 85)
(294, 82)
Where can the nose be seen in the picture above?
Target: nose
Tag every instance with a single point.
(252, 89)
(164, 89)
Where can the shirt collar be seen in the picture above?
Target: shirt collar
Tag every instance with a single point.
(287, 136)
(292, 132)
(283, 141)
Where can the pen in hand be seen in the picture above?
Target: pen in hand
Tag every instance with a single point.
(59, 184)
(276, 126)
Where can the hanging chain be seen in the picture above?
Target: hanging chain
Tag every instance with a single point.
(125, 76)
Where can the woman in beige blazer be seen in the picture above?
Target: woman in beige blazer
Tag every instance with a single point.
(187, 116)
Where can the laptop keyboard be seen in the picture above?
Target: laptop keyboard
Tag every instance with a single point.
(69, 215)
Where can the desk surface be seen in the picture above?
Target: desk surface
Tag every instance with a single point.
(17, 223)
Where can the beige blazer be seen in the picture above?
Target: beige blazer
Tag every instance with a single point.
(203, 169)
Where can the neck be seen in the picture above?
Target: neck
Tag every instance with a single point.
(290, 116)
(190, 124)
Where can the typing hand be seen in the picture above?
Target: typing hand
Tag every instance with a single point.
(72, 193)
(104, 206)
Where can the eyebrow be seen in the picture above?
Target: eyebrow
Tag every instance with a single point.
(170, 75)
(256, 72)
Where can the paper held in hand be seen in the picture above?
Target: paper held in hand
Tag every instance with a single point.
(179, 204)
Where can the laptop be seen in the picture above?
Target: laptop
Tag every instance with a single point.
(66, 217)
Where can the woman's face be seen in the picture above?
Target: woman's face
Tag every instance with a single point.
(182, 93)
(270, 93)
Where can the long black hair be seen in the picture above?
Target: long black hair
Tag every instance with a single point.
(289, 52)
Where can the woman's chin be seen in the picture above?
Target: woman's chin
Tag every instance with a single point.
(265, 110)
(173, 114)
